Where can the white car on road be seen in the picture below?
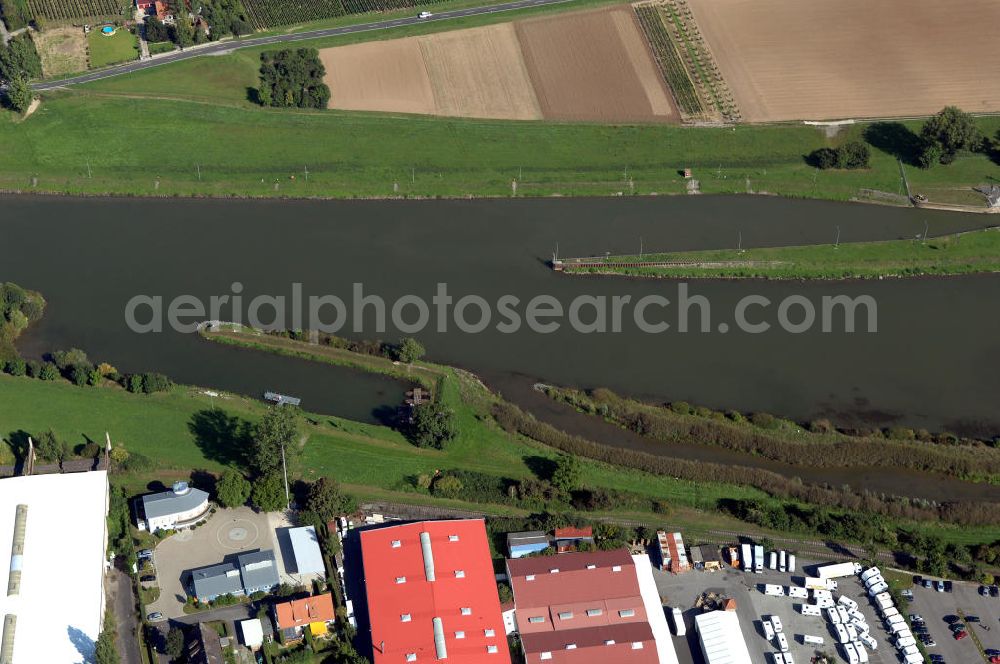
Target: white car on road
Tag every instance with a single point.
(424, 15)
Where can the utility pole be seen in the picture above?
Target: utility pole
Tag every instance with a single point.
(739, 242)
(198, 166)
(836, 245)
(926, 228)
(640, 246)
(89, 174)
(306, 168)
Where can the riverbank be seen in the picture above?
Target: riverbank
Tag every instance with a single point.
(963, 253)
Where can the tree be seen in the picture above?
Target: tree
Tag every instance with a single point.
(232, 489)
(823, 158)
(20, 94)
(327, 500)
(105, 651)
(433, 425)
(293, 78)
(65, 359)
(952, 130)
(566, 476)
(16, 367)
(409, 351)
(853, 154)
(119, 455)
(19, 59)
(448, 486)
(156, 31)
(175, 643)
(277, 430)
(268, 494)
(51, 448)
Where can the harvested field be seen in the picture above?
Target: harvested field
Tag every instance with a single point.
(835, 59)
(593, 65)
(62, 50)
(479, 73)
(379, 76)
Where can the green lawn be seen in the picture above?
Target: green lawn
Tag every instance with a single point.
(120, 47)
(964, 253)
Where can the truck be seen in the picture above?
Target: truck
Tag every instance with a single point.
(812, 583)
(823, 594)
(810, 610)
(768, 629)
(677, 618)
(837, 570)
(788, 658)
(773, 590)
(758, 558)
(746, 557)
(797, 592)
(813, 640)
(772, 560)
(782, 642)
(782, 562)
(776, 624)
(791, 562)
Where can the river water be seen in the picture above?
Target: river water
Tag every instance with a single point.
(932, 363)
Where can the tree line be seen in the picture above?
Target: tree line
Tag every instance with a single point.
(19, 63)
(292, 78)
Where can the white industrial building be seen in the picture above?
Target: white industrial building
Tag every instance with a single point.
(305, 547)
(721, 638)
(654, 610)
(53, 532)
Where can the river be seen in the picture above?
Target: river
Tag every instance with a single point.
(932, 362)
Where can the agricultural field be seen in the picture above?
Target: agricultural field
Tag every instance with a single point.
(62, 50)
(591, 65)
(789, 60)
(67, 10)
(104, 50)
(265, 14)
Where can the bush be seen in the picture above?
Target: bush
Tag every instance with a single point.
(851, 155)
(901, 433)
(15, 367)
(447, 486)
(764, 420)
(48, 371)
(409, 350)
(681, 407)
(433, 425)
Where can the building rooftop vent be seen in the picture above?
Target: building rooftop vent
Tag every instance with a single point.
(181, 488)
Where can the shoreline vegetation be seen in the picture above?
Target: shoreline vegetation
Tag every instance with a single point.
(516, 422)
(817, 444)
(970, 252)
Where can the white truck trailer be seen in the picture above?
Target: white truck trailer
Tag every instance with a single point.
(773, 590)
(758, 558)
(812, 583)
(837, 570)
(746, 557)
(813, 640)
(810, 610)
(791, 562)
(772, 560)
(782, 561)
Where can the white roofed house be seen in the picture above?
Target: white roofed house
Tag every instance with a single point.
(305, 547)
(178, 508)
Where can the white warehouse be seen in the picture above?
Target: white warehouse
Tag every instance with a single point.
(721, 638)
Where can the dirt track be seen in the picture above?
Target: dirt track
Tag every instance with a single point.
(835, 59)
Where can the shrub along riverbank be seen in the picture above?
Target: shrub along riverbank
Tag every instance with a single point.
(963, 253)
(817, 444)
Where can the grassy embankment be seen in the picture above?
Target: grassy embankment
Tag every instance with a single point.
(245, 150)
(964, 253)
(122, 46)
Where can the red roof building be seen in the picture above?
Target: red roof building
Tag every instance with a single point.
(302, 612)
(581, 608)
(432, 594)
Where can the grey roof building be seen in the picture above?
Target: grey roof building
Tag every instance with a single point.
(217, 580)
(259, 570)
(181, 506)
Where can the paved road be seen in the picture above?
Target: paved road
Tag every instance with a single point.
(122, 598)
(218, 48)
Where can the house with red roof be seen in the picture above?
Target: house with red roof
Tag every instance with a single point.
(591, 607)
(314, 612)
(431, 594)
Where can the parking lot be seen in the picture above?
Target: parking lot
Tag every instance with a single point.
(963, 600)
(752, 606)
(227, 533)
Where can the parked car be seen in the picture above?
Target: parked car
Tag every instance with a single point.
(973, 619)
(984, 591)
(908, 594)
(424, 15)
(155, 616)
(951, 618)
(145, 553)
(915, 617)
(937, 658)
(956, 626)
(928, 583)
(961, 634)
(947, 586)
(995, 591)
(940, 586)
(149, 578)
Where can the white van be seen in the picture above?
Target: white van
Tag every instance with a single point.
(847, 601)
(891, 611)
(776, 623)
(908, 641)
(869, 573)
(870, 642)
(677, 618)
(833, 616)
(810, 610)
(824, 603)
(768, 630)
(799, 593)
(862, 653)
(850, 653)
(773, 590)
(813, 640)
(782, 642)
(880, 588)
(841, 634)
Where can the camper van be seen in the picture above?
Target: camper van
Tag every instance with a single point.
(677, 618)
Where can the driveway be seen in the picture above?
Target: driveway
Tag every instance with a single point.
(227, 533)
(121, 599)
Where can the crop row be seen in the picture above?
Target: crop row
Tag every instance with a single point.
(668, 60)
(266, 13)
(56, 10)
(269, 13)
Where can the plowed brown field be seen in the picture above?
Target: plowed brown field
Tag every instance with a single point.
(833, 59)
(592, 65)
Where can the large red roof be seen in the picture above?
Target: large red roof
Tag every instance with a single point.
(405, 607)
